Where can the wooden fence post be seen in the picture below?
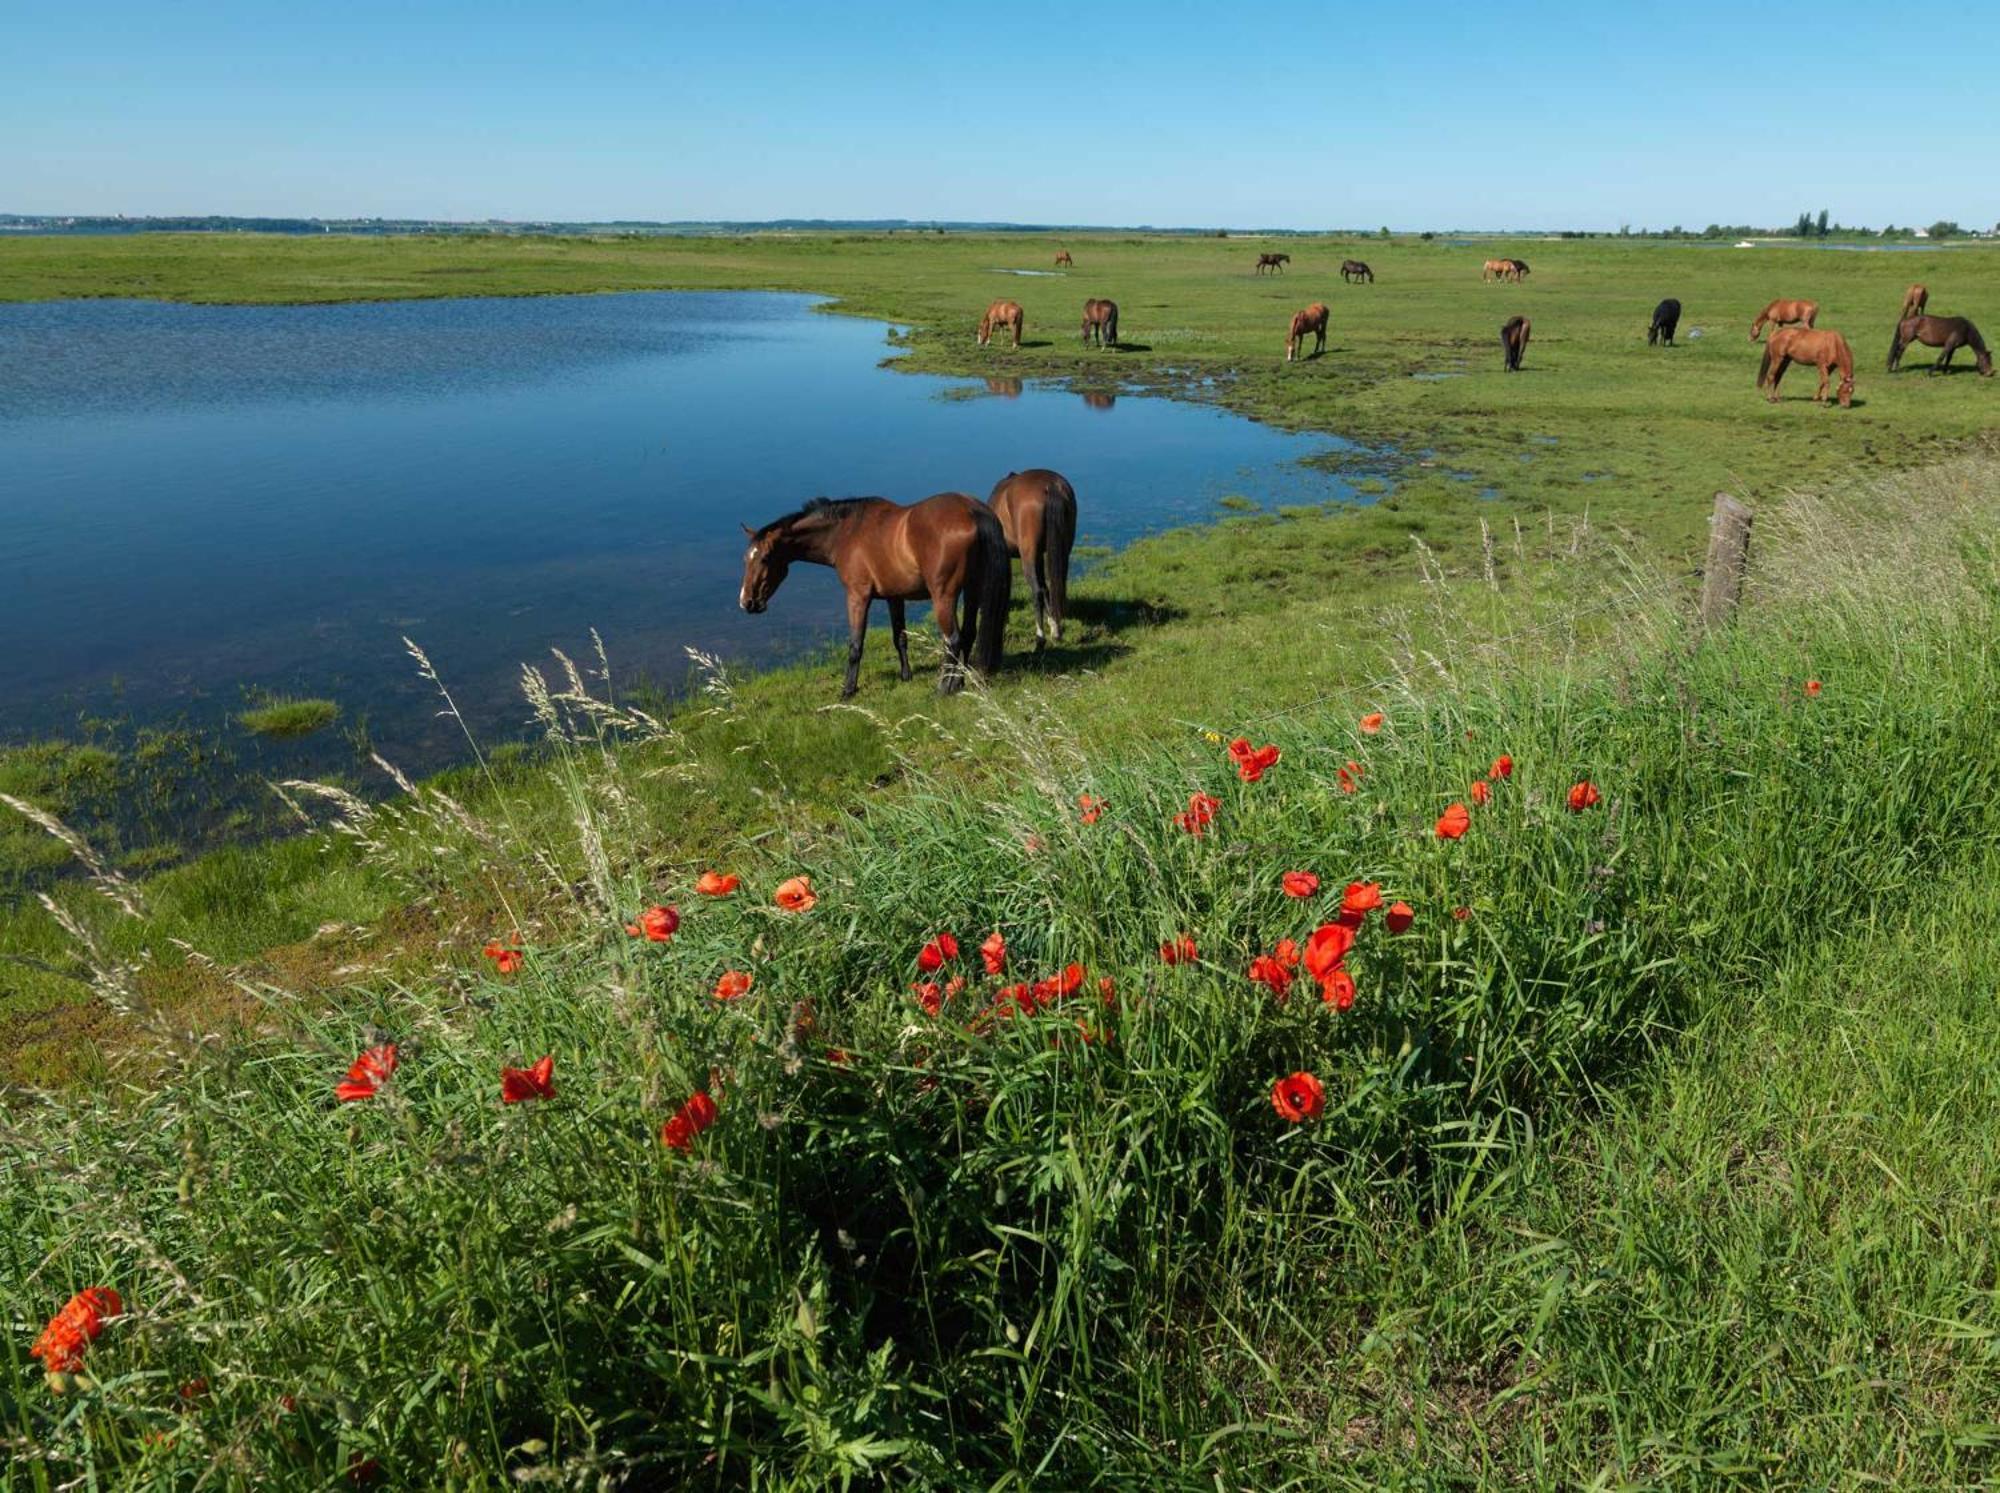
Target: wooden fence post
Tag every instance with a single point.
(1728, 557)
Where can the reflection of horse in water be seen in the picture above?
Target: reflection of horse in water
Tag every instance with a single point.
(1097, 399)
(1947, 333)
(943, 549)
(1914, 300)
(1037, 511)
(1513, 342)
(1274, 262)
(1006, 388)
(1785, 314)
(1100, 323)
(1352, 270)
(1312, 319)
(1002, 314)
(1826, 351)
(1666, 316)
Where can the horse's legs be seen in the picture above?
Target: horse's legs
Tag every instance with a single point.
(1825, 372)
(857, 630)
(957, 643)
(1951, 346)
(1777, 373)
(901, 634)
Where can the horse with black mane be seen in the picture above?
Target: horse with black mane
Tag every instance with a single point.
(1274, 262)
(1352, 270)
(1100, 323)
(1514, 342)
(1520, 268)
(1037, 513)
(1947, 333)
(1666, 317)
(944, 548)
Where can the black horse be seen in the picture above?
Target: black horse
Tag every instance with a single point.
(1514, 341)
(1352, 270)
(1666, 316)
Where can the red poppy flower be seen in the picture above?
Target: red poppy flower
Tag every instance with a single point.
(1286, 953)
(1337, 990)
(1200, 810)
(733, 983)
(1299, 1098)
(1454, 822)
(1059, 987)
(1812, 686)
(1399, 917)
(1180, 950)
(1460, 914)
(934, 955)
(538, 1082)
(930, 995)
(1503, 767)
(1266, 970)
(839, 1057)
(1252, 762)
(1361, 896)
(367, 1074)
(993, 953)
(74, 1328)
(505, 959)
(1480, 793)
(1300, 884)
(1326, 948)
(1089, 809)
(656, 925)
(693, 1117)
(1582, 796)
(795, 894)
(1371, 723)
(1347, 780)
(1107, 990)
(716, 884)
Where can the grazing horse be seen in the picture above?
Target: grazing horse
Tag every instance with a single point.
(1785, 314)
(944, 548)
(1352, 270)
(1948, 333)
(1496, 269)
(1824, 350)
(1666, 316)
(1002, 314)
(1037, 512)
(1100, 323)
(1514, 341)
(1274, 262)
(1312, 319)
(1063, 261)
(1520, 268)
(1914, 300)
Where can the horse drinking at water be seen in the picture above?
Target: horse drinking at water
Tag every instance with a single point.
(1002, 314)
(1824, 350)
(1785, 314)
(1914, 300)
(1312, 319)
(944, 548)
(1037, 512)
(1100, 323)
(1514, 341)
(1948, 333)
(1666, 316)
(1352, 270)
(1274, 262)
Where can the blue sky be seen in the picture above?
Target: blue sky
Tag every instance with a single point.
(1515, 113)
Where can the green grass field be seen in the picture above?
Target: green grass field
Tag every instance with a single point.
(1657, 1152)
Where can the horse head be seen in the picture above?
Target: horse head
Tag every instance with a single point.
(764, 568)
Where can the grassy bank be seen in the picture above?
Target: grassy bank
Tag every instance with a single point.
(1062, 1235)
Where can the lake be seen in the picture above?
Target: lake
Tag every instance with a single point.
(202, 502)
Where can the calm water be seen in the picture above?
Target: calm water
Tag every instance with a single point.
(196, 500)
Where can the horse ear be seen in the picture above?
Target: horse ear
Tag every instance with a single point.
(747, 529)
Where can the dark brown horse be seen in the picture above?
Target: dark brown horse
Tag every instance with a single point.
(1312, 319)
(1037, 512)
(1002, 314)
(1520, 267)
(1785, 314)
(1513, 341)
(1063, 261)
(1273, 262)
(1666, 318)
(944, 548)
(1352, 270)
(1824, 350)
(1947, 333)
(1914, 300)
(1100, 323)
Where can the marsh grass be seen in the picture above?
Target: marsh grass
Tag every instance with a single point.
(285, 718)
(1646, 1169)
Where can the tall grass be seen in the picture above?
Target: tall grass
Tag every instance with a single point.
(1012, 1242)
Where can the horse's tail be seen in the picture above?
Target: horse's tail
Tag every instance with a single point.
(989, 583)
(1896, 346)
(1058, 534)
(1111, 326)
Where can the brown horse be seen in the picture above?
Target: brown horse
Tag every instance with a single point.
(1513, 342)
(1002, 314)
(944, 548)
(1914, 300)
(1037, 512)
(1785, 314)
(1520, 268)
(1100, 323)
(1063, 261)
(1497, 269)
(1274, 262)
(1312, 319)
(1947, 333)
(1824, 350)
(1352, 270)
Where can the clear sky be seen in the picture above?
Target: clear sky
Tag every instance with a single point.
(1525, 113)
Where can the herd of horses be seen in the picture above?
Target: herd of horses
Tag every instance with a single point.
(957, 552)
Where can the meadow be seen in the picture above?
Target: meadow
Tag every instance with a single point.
(1655, 1147)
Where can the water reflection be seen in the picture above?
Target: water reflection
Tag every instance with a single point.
(1097, 399)
(1005, 388)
